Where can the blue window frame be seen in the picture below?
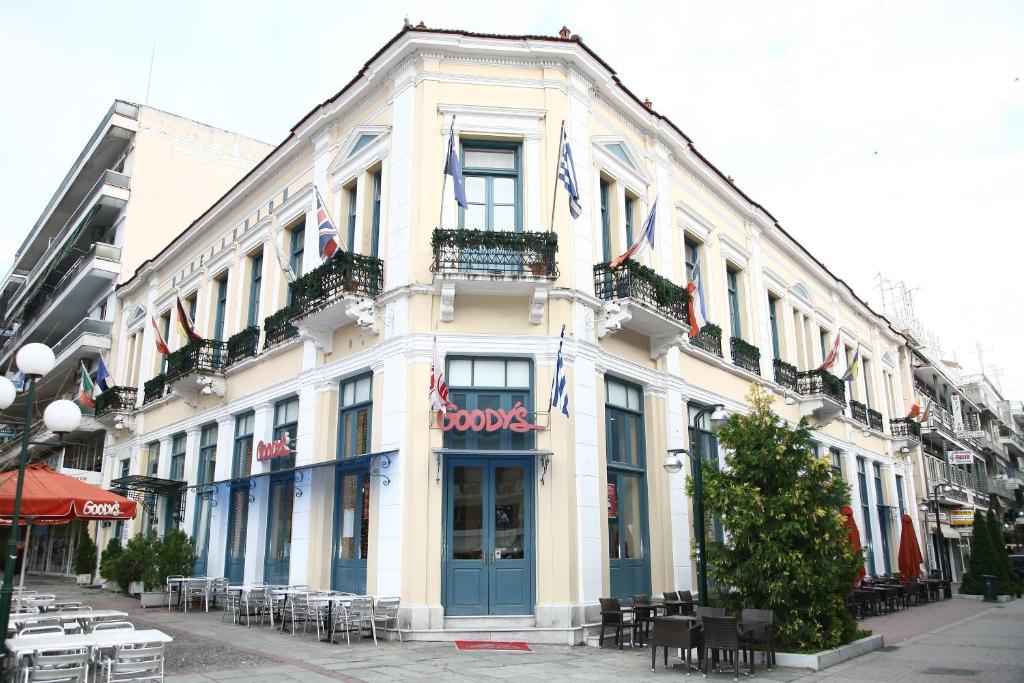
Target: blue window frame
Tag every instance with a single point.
(496, 383)
(823, 341)
(352, 192)
(241, 456)
(298, 248)
(606, 221)
(354, 414)
(733, 284)
(204, 499)
(255, 284)
(625, 456)
(222, 307)
(773, 318)
(492, 174)
(900, 500)
(286, 421)
(165, 325)
(629, 207)
(883, 518)
(691, 253)
(375, 217)
(837, 462)
(865, 509)
(190, 303)
(172, 513)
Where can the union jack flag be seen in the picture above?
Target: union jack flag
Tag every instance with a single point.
(329, 235)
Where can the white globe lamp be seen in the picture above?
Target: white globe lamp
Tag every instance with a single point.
(673, 463)
(7, 393)
(35, 360)
(720, 417)
(62, 416)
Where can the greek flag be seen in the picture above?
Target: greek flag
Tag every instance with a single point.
(559, 388)
(567, 174)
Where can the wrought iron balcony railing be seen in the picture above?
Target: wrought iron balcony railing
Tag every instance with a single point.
(823, 382)
(494, 253)
(154, 389)
(346, 273)
(206, 356)
(859, 412)
(785, 374)
(875, 420)
(905, 428)
(745, 355)
(635, 281)
(279, 328)
(242, 345)
(709, 339)
(116, 399)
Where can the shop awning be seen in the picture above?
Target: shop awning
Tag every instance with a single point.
(947, 532)
(377, 463)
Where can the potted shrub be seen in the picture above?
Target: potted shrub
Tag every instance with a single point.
(137, 563)
(174, 556)
(110, 564)
(85, 560)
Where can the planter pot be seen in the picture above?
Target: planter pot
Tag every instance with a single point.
(539, 269)
(83, 579)
(136, 587)
(153, 598)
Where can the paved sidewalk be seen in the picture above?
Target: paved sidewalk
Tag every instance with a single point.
(954, 640)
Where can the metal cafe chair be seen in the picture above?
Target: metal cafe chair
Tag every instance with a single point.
(63, 664)
(386, 612)
(135, 662)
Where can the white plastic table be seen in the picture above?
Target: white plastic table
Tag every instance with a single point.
(24, 645)
(84, 615)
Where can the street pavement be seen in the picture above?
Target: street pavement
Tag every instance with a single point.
(953, 640)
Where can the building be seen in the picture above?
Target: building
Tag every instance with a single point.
(141, 175)
(296, 443)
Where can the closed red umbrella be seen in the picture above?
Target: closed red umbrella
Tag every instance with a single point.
(51, 498)
(910, 557)
(854, 537)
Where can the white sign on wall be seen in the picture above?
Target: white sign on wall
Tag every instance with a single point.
(960, 457)
(958, 414)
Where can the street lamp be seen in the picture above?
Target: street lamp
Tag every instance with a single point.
(944, 488)
(61, 416)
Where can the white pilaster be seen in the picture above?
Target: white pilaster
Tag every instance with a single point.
(389, 501)
(591, 504)
(400, 214)
(301, 506)
(676, 421)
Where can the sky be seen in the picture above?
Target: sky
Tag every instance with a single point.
(887, 137)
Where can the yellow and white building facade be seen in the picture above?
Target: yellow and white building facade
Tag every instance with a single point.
(297, 444)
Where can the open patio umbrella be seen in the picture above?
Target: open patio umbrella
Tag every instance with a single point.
(48, 497)
(910, 557)
(854, 537)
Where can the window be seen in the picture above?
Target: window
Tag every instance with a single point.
(823, 342)
(125, 466)
(255, 284)
(606, 221)
(733, 284)
(204, 499)
(178, 457)
(495, 383)
(629, 207)
(883, 516)
(165, 331)
(866, 371)
(207, 454)
(87, 455)
(153, 459)
(773, 318)
(241, 465)
(375, 215)
(356, 402)
(627, 497)
(298, 248)
(352, 193)
(900, 500)
(865, 511)
(491, 171)
(837, 462)
(222, 306)
(691, 253)
(286, 422)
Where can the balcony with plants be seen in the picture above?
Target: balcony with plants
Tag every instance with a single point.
(197, 369)
(242, 345)
(339, 292)
(785, 374)
(115, 407)
(709, 339)
(822, 395)
(154, 389)
(278, 328)
(745, 355)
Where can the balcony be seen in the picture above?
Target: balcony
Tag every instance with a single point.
(337, 293)
(785, 374)
(940, 472)
(154, 389)
(197, 368)
(115, 406)
(875, 420)
(822, 395)
(905, 429)
(709, 339)
(1003, 486)
(59, 305)
(497, 262)
(745, 355)
(859, 412)
(1012, 440)
(279, 328)
(242, 345)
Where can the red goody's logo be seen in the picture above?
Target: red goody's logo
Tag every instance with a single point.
(486, 420)
(277, 448)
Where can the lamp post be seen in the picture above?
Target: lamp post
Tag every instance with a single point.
(60, 417)
(674, 463)
(939, 541)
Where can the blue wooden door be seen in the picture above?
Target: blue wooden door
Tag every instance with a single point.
(488, 536)
(238, 521)
(351, 531)
(279, 531)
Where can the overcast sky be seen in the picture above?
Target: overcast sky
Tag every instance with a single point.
(887, 137)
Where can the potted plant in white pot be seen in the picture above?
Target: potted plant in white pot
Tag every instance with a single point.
(175, 556)
(85, 560)
(136, 564)
(109, 569)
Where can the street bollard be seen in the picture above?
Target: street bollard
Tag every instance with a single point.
(990, 588)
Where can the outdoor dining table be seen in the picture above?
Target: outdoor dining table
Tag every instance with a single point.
(331, 599)
(80, 616)
(20, 646)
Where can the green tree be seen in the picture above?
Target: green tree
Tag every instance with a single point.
(786, 548)
(1006, 583)
(85, 556)
(983, 558)
(176, 555)
(110, 560)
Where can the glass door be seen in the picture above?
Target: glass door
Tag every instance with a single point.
(279, 531)
(351, 532)
(238, 520)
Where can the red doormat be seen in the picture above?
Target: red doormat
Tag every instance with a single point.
(493, 645)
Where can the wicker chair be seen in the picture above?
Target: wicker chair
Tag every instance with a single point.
(761, 625)
(644, 614)
(722, 634)
(614, 616)
(675, 633)
(710, 612)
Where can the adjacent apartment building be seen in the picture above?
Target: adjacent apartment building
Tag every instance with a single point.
(296, 443)
(141, 175)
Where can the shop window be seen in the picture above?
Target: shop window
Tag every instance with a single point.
(355, 408)
(241, 465)
(286, 421)
(492, 176)
(496, 384)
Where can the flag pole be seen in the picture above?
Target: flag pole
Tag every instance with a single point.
(444, 174)
(558, 165)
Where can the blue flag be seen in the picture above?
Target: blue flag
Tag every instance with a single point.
(102, 375)
(453, 168)
(559, 384)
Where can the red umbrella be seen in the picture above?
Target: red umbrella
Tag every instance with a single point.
(854, 537)
(51, 498)
(910, 557)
